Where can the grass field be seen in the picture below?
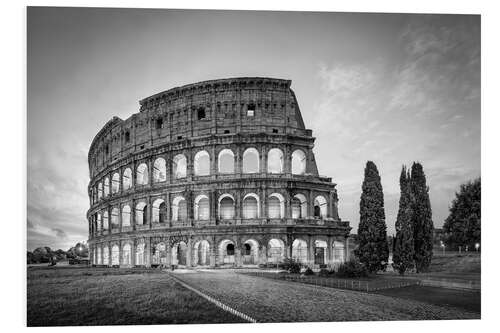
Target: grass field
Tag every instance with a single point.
(91, 296)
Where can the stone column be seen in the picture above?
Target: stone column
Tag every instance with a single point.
(168, 208)
(213, 252)
(147, 252)
(189, 252)
(310, 206)
(310, 250)
(262, 254)
(149, 212)
(346, 249)
(263, 159)
(120, 218)
(120, 252)
(132, 215)
(329, 254)
(237, 255)
(132, 253)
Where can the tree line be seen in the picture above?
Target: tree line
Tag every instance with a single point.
(45, 254)
(412, 247)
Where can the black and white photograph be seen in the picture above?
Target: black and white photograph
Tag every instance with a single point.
(230, 166)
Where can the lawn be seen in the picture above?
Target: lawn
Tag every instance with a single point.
(92, 296)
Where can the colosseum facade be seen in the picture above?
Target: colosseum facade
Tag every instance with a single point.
(216, 174)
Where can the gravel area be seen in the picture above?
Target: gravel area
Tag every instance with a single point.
(280, 301)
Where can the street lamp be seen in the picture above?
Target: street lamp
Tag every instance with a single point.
(477, 246)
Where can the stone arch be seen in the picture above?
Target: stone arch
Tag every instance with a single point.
(127, 254)
(251, 206)
(105, 221)
(275, 250)
(179, 166)
(99, 255)
(338, 251)
(99, 221)
(251, 160)
(99, 191)
(115, 224)
(275, 161)
(106, 186)
(127, 179)
(160, 254)
(320, 251)
(299, 250)
(201, 208)
(159, 211)
(299, 206)
(115, 255)
(159, 170)
(179, 208)
(202, 163)
(126, 216)
(105, 255)
(115, 183)
(226, 206)
(179, 253)
(227, 249)
(201, 253)
(250, 252)
(142, 175)
(141, 213)
(299, 161)
(226, 161)
(320, 207)
(276, 206)
(139, 254)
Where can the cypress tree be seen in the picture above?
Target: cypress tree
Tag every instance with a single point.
(403, 252)
(421, 218)
(373, 249)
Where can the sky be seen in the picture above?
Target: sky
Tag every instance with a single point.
(391, 88)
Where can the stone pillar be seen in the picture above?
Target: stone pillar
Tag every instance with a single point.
(168, 208)
(189, 252)
(237, 255)
(132, 215)
(120, 218)
(120, 252)
(329, 254)
(147, 252)
(149, 212)
(310, 250)
(150, 168)
(132, 253)
(346, 249)
(262, 254)
(213, 252)
(310, 205)
(263, 159)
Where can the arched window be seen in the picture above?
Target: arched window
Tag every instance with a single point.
(251, 161)
(226, 252)
(142, 175)
(126, 216)
(202, 253)
(99, 191)
(251, 206)
(115, 183)
(179, 165)
(99, 255)
(159, 170)
(179, 254)
(105, 255)
(298, 162)
(127, 254)
(105, 220)
(127, 178)
(115, 255)
(275, 250)
(320, 207)
(250, 252)
(106, 186)
(201, 208)
(141, 213)
(275, 161)
(159, 211)
(139, 254)
(226, 161)
(276, 206)
(226, 207)
(179, 209)
(114, 219)
(299, 250)
(202, 163)
(320, 247)
(99, 222)
(299, 206)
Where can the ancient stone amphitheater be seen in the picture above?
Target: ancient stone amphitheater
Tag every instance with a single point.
(218, 174)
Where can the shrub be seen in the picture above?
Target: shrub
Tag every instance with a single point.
(291, 266)
(326, 272)
(308, 271)
(352, 269)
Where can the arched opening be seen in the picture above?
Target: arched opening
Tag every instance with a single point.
(298, 162)
(105, 256)
(115, 255)
(142, 174)
(159, 170)
(179, 254)
(251, 206)
(99, 191)
(202, 253)
(250, 252)
(320, 247)
(276, 206)
(299, 206)
(159, 254)
(105, 221)
(139, 255)
(202, 163)
(127, 179)
(99, 222)
(226, 207)
(99, 256)
(115, 224)
(275, 161)
(201, 208)
(159, 211)
(179, 166)
(226, 252)
(226, 161)
(275, 251)
(299, 250)
(179, 209)
(338, 252)
(115, 183)
(251, 161)
(106, 186)
(126, 216)
(320, 207)
(127, 254)
(141, 214)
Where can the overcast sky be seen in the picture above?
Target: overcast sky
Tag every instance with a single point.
(392, 88)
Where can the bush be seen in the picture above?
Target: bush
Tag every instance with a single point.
(326, 272)
(352, 269)
(291, 266)
(308, 271)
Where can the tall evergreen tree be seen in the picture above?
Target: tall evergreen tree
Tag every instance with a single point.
(403, 251)
(373, 249)
(421, 218)
(463, 225)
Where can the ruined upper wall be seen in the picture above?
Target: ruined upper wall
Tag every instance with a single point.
(201, 109)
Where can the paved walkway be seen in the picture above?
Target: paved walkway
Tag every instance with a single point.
(280, 301)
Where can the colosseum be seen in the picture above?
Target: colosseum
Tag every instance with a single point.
(213, 174)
